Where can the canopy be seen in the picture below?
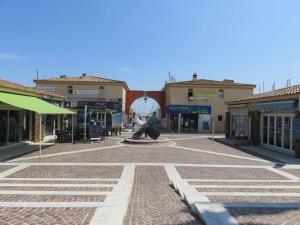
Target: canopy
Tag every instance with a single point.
(32, 103)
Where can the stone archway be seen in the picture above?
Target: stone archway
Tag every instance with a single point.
(132, 95)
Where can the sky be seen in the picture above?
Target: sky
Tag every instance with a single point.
(140, 41)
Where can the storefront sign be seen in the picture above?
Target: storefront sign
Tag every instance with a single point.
(102, 105)
(189, 109)
(296, 125)
(205, 94)
(85, 92)
(285, 106)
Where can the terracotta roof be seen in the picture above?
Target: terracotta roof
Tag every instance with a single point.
(211, 83)
(29, 90)
(289, 91)
(82, 79)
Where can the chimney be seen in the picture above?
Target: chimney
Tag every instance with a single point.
(63, 76)
(195, 76)
(84, 74)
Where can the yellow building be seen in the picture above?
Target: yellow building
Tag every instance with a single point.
(198, 104)
(94, 92)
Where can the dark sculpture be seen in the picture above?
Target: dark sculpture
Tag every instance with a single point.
(147, 128)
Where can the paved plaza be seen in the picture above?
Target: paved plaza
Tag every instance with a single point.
(189, 180)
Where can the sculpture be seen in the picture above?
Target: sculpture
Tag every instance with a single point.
(146, 127)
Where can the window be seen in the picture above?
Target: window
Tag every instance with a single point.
(240, 125)
(70, 89)
(190, 94)
(101, 91)
(220, 118)
(221, 93)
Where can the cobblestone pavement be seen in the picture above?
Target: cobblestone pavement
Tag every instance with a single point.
(228, 173)
(264, 216)
(251, 196)
(42, 216)
(69, 172)
(153, 202)
(294, 172)
(78, 184)
(4, 168)
(143, 154)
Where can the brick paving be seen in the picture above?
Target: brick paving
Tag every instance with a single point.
(45, 216)
(153, 202)
(51, 198)
(228, 173)
(142, 154)
(224, 182)
(265, 216)
(4, 168)
(69, 172)
(295, 172)
(100, 189)
(264, 190)
(253, 199)
(57, 182)
(67, 147)
(207, 144)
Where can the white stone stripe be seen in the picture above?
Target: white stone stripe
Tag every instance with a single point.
(81, 193)
(251, 194)
(118, 201)
(271, 205)
(59, 179)
(242, 181)
(220, 154)
(290, 167)
(13, 170)
(190, 138)
(283, 173)
(55, 185)
(215, 214)
(53, 204)
(248, 186)
(65, 153)
(211, 216)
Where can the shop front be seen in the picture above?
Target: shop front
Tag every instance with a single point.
(277, 124)
(270, 120)
(25, 117)
(189, 118)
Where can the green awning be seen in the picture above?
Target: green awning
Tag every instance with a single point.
(32, 103)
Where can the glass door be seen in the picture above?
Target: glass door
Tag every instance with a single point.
(287, 133)
(14, 126)
(271, 130)
(279, 131)
(3, 127)
(265, 129)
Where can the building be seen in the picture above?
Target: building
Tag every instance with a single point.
(25, 113)
(98, 94)
(197, 104)
(270, 119)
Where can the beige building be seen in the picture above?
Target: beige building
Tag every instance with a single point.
(197, 104)
(94, 92)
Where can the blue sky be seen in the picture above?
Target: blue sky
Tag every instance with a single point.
(141, 41)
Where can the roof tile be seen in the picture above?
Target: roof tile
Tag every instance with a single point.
(82, 79)
(18, 87)
(293, 90)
